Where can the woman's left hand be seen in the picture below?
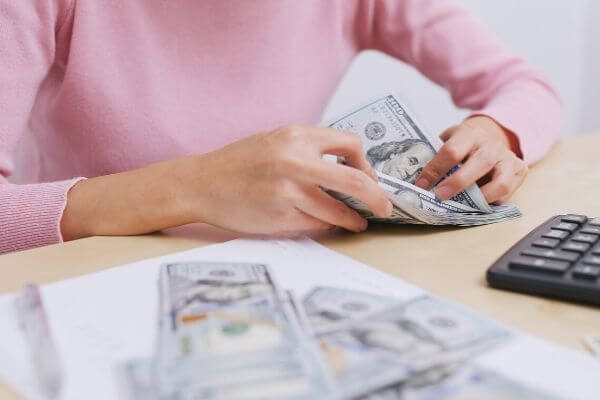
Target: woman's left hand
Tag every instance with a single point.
(484, 149)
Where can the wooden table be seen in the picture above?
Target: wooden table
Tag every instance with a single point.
(450, 262)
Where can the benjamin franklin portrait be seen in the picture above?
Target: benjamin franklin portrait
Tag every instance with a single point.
(401, 159)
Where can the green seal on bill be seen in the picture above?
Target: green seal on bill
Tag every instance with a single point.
(235, 328)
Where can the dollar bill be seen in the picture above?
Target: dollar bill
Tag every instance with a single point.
(398, 148)
(219, 308)
(228, 325)
(222, 310)
(458, 381)
(393, 343)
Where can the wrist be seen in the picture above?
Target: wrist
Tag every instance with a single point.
(185, 193)
(73, 222)
(196, 185)
(128, 203)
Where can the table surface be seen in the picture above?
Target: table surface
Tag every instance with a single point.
(450, 262)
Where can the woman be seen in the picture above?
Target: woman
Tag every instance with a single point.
(180, 112)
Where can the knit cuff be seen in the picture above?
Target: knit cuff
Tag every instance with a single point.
(30, 215)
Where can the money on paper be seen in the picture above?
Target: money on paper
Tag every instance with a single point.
(227, 331)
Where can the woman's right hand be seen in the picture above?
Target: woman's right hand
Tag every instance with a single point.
(269, 183)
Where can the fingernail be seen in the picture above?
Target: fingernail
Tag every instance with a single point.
(423, 183)
(363, 225)
(443, 193)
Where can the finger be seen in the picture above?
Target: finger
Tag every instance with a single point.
(344, 144)
(350, 181)
(454, 151)
(507, 177)
(322, 206)
(300, 222)
(448, 133)
(476, 166)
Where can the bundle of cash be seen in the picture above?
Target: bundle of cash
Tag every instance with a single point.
(228, 332)
(372, 341)
(398, 148)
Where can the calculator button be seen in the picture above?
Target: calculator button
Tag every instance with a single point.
(575, 246)
(539, 265)
(577, 219)
(555, 234)
(596, 250)
(592, 260)
(586, 272)
(594, 230)
(585, 238)
(547, 243)
(552, 254)
(565, 226)
(594, 221)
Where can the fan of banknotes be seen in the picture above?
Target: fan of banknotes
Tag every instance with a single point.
(228, 332)
(398, 148)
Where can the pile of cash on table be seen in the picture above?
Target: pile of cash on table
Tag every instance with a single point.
(398, 148)
(228, 332)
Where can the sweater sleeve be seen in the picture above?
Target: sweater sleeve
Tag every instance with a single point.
(444, 42)
(30, 215)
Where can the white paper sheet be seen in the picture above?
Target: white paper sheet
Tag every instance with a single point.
(101, 319)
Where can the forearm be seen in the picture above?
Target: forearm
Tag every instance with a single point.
(127, 203)
(448, 45)
(268, 183)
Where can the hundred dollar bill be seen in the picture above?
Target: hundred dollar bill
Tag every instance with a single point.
(422, 331)
(458, 381)
(226, 325)
(298, 373)
(432, 326)
(374, 350)
(398, 148)
(219, 308)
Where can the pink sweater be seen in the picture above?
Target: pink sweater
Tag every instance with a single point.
(95, 87)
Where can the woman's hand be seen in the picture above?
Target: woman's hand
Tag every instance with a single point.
(270, 183)
(488, 155)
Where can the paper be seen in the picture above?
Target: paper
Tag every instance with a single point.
(101, 319)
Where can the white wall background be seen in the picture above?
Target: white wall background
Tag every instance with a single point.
(559, 37)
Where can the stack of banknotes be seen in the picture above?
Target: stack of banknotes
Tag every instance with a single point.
(228, 331)
(398, 148)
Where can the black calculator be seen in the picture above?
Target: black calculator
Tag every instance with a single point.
(560, 258)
